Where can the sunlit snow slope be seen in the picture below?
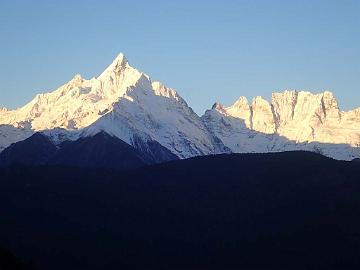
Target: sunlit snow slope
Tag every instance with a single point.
(122, 101)
(127, 104)
(292, 121)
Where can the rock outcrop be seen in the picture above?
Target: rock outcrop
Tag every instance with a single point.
(293, 120)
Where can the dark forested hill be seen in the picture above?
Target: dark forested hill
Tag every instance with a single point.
(99, 151)
(293, 210)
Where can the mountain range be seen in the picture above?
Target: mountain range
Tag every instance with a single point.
(148, 122)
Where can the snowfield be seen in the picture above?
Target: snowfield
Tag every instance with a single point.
(126, 103)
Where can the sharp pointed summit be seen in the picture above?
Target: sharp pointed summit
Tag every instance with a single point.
(120, 58)
(124, 102)
(117, 65)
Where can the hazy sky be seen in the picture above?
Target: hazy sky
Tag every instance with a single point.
(208, 50)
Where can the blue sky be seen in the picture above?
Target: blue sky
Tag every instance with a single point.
(208, 50)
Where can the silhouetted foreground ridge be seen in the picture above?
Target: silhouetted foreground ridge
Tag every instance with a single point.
(294, 210)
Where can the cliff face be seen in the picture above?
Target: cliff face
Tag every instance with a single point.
(293, 120)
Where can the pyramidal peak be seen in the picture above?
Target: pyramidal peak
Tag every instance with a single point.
(80, 102)
(120, 77)
(241, 102)
(123, 102)
(119, 60)
(118, 64)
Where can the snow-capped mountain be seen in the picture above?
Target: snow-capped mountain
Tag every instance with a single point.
(123, 102)
(292, 121)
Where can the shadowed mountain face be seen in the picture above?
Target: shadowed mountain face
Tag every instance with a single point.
(105, 151)
(293, 210)
(35, 150)
(98, 151)
(10, 134)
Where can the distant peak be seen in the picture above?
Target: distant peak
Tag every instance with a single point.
(329, 94)
(76, 81)
(242, 101)
(157, 84)
(77, 78)
(217, 106)
(259, 100)
(329, 100)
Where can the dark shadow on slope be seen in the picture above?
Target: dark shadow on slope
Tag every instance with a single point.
(98, 151)
(293, 210)
(35, 150)
(153, 151)
(9, 132)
